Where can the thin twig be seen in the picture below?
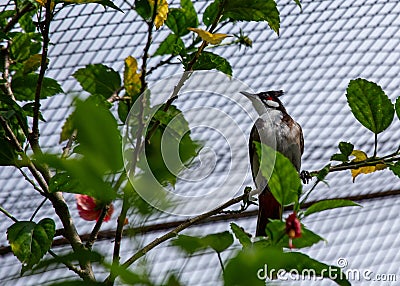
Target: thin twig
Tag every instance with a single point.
(68, 265)
(97, 226)
(30, 181)
(37, 209)
(14, 20)
(176, 230)
(10, 216)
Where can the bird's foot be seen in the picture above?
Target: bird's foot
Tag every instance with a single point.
(305, 176)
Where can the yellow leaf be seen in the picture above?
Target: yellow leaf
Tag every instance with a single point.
(131, 77)
(214, 39)
(362, 156)
(162, 11)
(43, 3)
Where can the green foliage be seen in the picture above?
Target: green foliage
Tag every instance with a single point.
(192, 244)
(370, 105)
(98, 79)
(180, 19)
(24, 87)
(237, 10)
(105, 3)
(395, 168)
(209, 61)
(170, 147)
(30, 241)
(346, 149)
(262, 262)
(276, 231)
(397, 106)
(143, 8)
(329, 204)
(283, 179)
(100, 145)
(24, 45)
(241, 235)
(172, 45)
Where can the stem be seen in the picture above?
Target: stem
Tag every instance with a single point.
(376, 144)
(220, 261)
(10, 25)
(97, 226)
(45, 30)
(37, 209)
(10, 216)
(178, 229)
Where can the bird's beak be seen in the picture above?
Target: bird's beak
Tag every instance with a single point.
(248, 95)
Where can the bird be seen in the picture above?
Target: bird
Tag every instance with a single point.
(277, 129)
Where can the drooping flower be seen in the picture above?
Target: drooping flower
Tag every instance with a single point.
(90, 209)
(293, 228)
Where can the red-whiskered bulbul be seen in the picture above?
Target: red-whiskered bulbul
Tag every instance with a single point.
(277, 129)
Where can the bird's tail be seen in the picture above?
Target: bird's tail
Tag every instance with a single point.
(268, 208)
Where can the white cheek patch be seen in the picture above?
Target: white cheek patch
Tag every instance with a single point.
(272, 103)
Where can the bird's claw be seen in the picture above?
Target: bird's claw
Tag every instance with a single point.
(305, 176)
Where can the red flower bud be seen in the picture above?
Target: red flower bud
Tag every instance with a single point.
(293, 228)
(90, 209)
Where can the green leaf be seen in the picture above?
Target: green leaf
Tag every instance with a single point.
(329, 204)
(173, 281)
(211, 12)
(397, 106)
(218, 241)
(64, 182)
(26, 21)
(339, 157)
(370, 105)
(190, 13)
(323, 172)
(170, 147)
(260, 261)
(77, 283)
(209, 61)
(176, 21)
(29, 110)
(24, 87)
(283, 179)
(128, 276)
(67, 129)
(8, 154)
(23, 46)
(299, 4)
(123, 110)
(253, 10)
(189, 244)
(105, 3)
(241, 235)
(33, 63)
(30, 241)
(143, 8)
(172, 45)
(98, 136)
(98, 79)
(346, 148)
(395, 168)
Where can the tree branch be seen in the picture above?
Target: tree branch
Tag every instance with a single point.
(14, 20)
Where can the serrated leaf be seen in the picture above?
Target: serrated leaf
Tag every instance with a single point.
(67, 129)
(253, 10)
(30, 241)
(211, 38)
(283, 179)
(64, 182)
(210, 61)
(395, 168)
(24, 87)
(241, 235)
(143, 8)
(106, 3)
(98, 79)
(339, 157)
(172, 45)
(211, 12)
(329, 204)
(218, 241)
(189, 244)
(260, 260)
(176, 21)
(346, 148)
(397, 106)
(132, 81)
(370, 105)
(362, 156)
(33, 63)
